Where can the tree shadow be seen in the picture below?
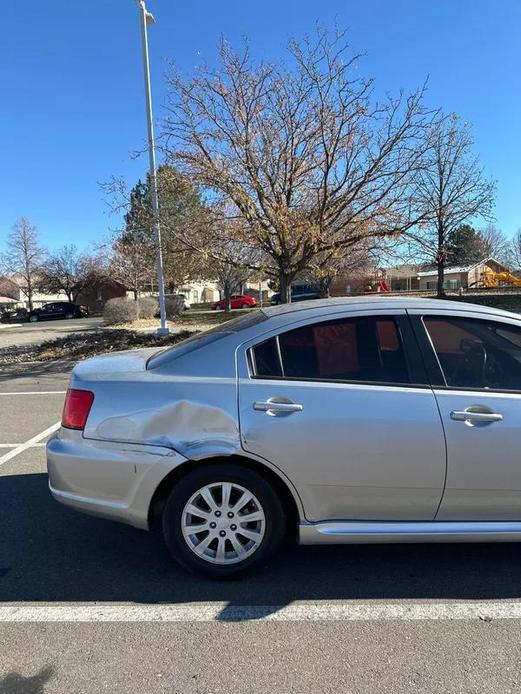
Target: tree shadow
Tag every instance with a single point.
(49, 553)
(14, 683)
(13, 372)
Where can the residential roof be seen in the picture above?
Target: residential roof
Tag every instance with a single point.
(459, 268)
(401, 271)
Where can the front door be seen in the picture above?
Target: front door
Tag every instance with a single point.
(479, 395)
(341, 408)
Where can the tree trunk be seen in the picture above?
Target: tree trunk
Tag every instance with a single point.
(440, 261)
(325, 286)
(30, 293)
(441, 278)
(285, 287)
(227, 298)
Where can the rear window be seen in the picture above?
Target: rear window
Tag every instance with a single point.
(205, 338)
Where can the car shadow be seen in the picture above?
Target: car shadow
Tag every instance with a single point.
(51, 553)
(14, 683)
(13, 372)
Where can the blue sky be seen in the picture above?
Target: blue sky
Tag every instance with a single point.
(72, 109)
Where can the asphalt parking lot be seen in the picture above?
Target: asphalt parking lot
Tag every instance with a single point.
(32, 333)
(88, 605)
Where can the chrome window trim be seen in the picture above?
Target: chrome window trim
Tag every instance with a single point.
(244, 361)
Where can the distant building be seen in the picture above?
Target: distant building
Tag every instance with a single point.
(14, 287)
(97, 292)
(465, 276)
(411, 278)
(401, 278)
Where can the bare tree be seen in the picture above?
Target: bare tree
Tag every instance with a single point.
(229, 263)
(24, 257)
(311, 164)
(130, 261)
(514, 251)
(495, 243)
(357, 261)
(450, 191)
(69, 271)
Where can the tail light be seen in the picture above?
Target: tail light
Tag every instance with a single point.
(76, 409)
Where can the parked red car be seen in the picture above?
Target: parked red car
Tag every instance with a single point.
(237, 301)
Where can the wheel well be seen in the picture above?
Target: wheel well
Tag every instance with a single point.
(163, 490)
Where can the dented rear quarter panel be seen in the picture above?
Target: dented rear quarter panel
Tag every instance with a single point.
(188, 403)
(194, 415)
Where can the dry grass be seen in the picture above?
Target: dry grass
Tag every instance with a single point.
(83, 345)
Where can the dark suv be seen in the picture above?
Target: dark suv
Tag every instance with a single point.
(300, 292)
(58, 309)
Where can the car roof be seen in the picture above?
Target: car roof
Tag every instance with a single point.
(253, 326)
(379, 301)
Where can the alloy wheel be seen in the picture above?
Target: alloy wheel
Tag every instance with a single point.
(223, 523)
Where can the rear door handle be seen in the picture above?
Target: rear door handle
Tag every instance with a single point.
(472, 416)
(275, 407)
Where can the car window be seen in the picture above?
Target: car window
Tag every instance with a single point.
(476, 353)
(366, 349)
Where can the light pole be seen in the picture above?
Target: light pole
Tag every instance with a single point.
(147, 18)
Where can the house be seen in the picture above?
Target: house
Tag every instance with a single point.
(93, 295)
(200, 291)
(416, 278)
(9, 294)
(6, 303)
(466, 276)
(14, 288)
(401, 278)
(98, 291)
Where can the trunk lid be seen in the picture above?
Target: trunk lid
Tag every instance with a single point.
(106, 365)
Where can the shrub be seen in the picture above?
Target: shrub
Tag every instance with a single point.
(174, 306)
(120, 310)
(147, 307)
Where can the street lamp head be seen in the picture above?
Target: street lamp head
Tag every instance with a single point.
(149, 17)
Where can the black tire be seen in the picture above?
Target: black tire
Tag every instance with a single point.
(69, 316)
(33, 319)
(245, 306)
(275, 526)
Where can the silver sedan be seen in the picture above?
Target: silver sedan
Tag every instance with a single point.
(335, 421)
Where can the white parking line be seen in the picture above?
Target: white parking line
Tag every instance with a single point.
(38, 392)
(30, 442)
(14, 445)
(308, 612)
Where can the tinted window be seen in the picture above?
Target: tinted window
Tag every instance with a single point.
(266, 359)
(355, 349)
(476, 353)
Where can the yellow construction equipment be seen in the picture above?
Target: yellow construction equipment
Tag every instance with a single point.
(492, 279)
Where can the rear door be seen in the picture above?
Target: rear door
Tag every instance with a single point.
(475, 366)
(342, 407)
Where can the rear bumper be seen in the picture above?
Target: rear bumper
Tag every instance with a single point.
(105, 479)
